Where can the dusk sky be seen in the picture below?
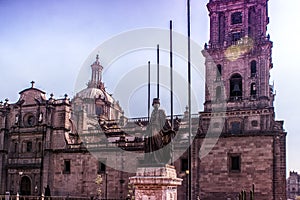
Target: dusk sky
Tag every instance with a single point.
(49, 42)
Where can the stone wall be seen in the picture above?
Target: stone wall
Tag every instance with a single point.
(218, 182)
(80, 181)
(280, 167)
(84, 169)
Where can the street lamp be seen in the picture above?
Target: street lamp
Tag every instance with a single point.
(105, 185)
(20, 176)
(187, 172)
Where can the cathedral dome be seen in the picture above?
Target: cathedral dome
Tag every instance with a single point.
(95, 93)
(94, 99)
(91, 93)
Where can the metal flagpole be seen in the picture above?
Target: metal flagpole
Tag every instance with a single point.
(148, 91)
(157, 71)
(171, 85)
(189, 101)
(171, 71)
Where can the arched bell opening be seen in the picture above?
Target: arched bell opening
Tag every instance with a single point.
(236, 87)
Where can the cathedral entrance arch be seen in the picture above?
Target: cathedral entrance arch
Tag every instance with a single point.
(25, 186)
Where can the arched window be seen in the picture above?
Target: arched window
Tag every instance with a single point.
(236, 87)
(253, 68)
(219, 71)
(25, 186)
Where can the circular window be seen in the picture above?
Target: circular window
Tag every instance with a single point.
(29, 120)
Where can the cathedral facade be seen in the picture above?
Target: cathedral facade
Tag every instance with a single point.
(66, 145)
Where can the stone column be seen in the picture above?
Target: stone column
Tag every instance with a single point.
(156, 183)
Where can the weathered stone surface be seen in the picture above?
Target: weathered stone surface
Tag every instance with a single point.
(159, 183)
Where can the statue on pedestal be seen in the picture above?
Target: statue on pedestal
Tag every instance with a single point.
(160, 133)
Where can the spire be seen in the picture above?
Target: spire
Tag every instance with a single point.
(96, 78)
(97, 59)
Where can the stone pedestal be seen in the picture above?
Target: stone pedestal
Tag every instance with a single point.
(156, 183)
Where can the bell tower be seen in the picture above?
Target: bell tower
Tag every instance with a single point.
(247, 146)
(238, 55)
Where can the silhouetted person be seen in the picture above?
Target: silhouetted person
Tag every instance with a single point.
(47, 192)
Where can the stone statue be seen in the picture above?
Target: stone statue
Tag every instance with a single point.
(16, 119)
(159, 134)
(40, 117)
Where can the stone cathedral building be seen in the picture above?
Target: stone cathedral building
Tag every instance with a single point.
(66, 144)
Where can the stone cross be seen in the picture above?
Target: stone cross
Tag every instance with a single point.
(32, 84)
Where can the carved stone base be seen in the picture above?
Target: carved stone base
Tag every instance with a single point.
(156, 183)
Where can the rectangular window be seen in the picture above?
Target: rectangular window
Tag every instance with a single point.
(235, 127)
(101, 166)
(236, 18)
(235, 163)
(236, 36)
(221, 26)
(14, 146)
(99, 110)
(249, 31)
(253, 90)
(253, 68)
(184, 164)
(29, 147)
(39, 147)
(67, 166)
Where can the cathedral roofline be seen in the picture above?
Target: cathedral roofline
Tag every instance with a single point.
(32, 89)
